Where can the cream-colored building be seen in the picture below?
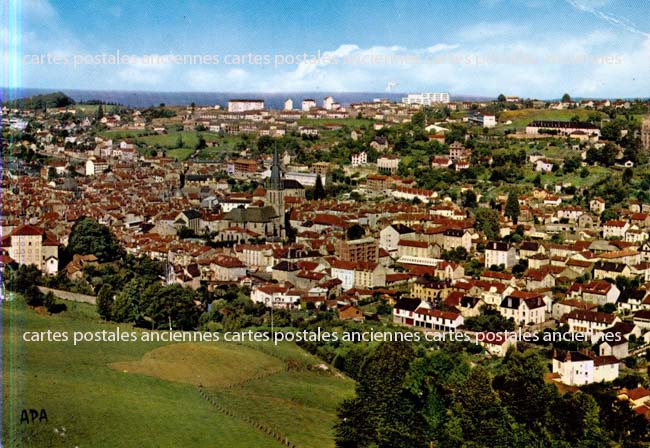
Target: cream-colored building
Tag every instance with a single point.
(30, 245)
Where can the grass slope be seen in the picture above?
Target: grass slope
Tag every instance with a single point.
(156, 402)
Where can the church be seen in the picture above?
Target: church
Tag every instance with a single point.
(268, 220)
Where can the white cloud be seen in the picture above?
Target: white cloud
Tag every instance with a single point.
(485, 58)
(38, 10)
(544, 68)
(590, 7)
(143, 72)
(442, 47)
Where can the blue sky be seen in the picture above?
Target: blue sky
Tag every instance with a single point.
(532, 48)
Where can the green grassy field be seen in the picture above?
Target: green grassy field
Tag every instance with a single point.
(180, 153)
(520, 118)
(141, 394)
(91, 109)
(190, 138)
(118, 134)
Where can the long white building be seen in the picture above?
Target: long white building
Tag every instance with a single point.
(245, 105)
(426, 99)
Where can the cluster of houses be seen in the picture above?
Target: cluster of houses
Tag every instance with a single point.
(409, 252)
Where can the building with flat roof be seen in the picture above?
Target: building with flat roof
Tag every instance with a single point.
(245, 105)
(364, 249)
(426, 99)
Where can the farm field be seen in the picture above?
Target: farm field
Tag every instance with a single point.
(151, 393)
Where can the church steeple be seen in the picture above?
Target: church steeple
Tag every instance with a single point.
(275, 186)
(275, 180)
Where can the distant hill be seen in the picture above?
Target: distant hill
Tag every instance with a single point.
(56, 99)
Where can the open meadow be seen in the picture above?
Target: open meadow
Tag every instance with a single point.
(127, 394)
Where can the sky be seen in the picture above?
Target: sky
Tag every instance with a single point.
(529, 48)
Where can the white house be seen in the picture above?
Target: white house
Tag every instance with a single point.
(308, 104)
(275, 296)
(578, 369)
(359, 158)
(615, 228)
(589, 322)
(500, 253)
(597, 205)
(544, 165)
(525, 308)
(390, 236)
(419, 313)
(328, 102)
(599, 292)
(95, 166)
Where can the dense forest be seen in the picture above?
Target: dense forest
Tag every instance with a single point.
(410, 397)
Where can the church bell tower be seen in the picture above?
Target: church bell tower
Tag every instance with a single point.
(275, 186)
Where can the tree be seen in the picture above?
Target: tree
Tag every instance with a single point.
(355, 232)
(512, 207)
(265, 144)
(49, 301)
(21, 278)
(126, 307)
(384, 412)
(33, 296)
(487, 221)
(607, 215)
(469, 199)
(52, 306)
(628, 174)
(605, 156)
(577, 414)
(572, 163)
(185, 232)
(105, 302)
(100, 112)
(624, 425)
(456, 133)
(200, 144)
(501, 98)
(89, 237)
(457, 254)
(170, 307)
(611, 131)
(566, 98)
(485, 422)
(523, 391)
(179, 141)
(319, 190)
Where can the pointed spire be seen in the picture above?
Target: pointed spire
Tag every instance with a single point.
(275, 181)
